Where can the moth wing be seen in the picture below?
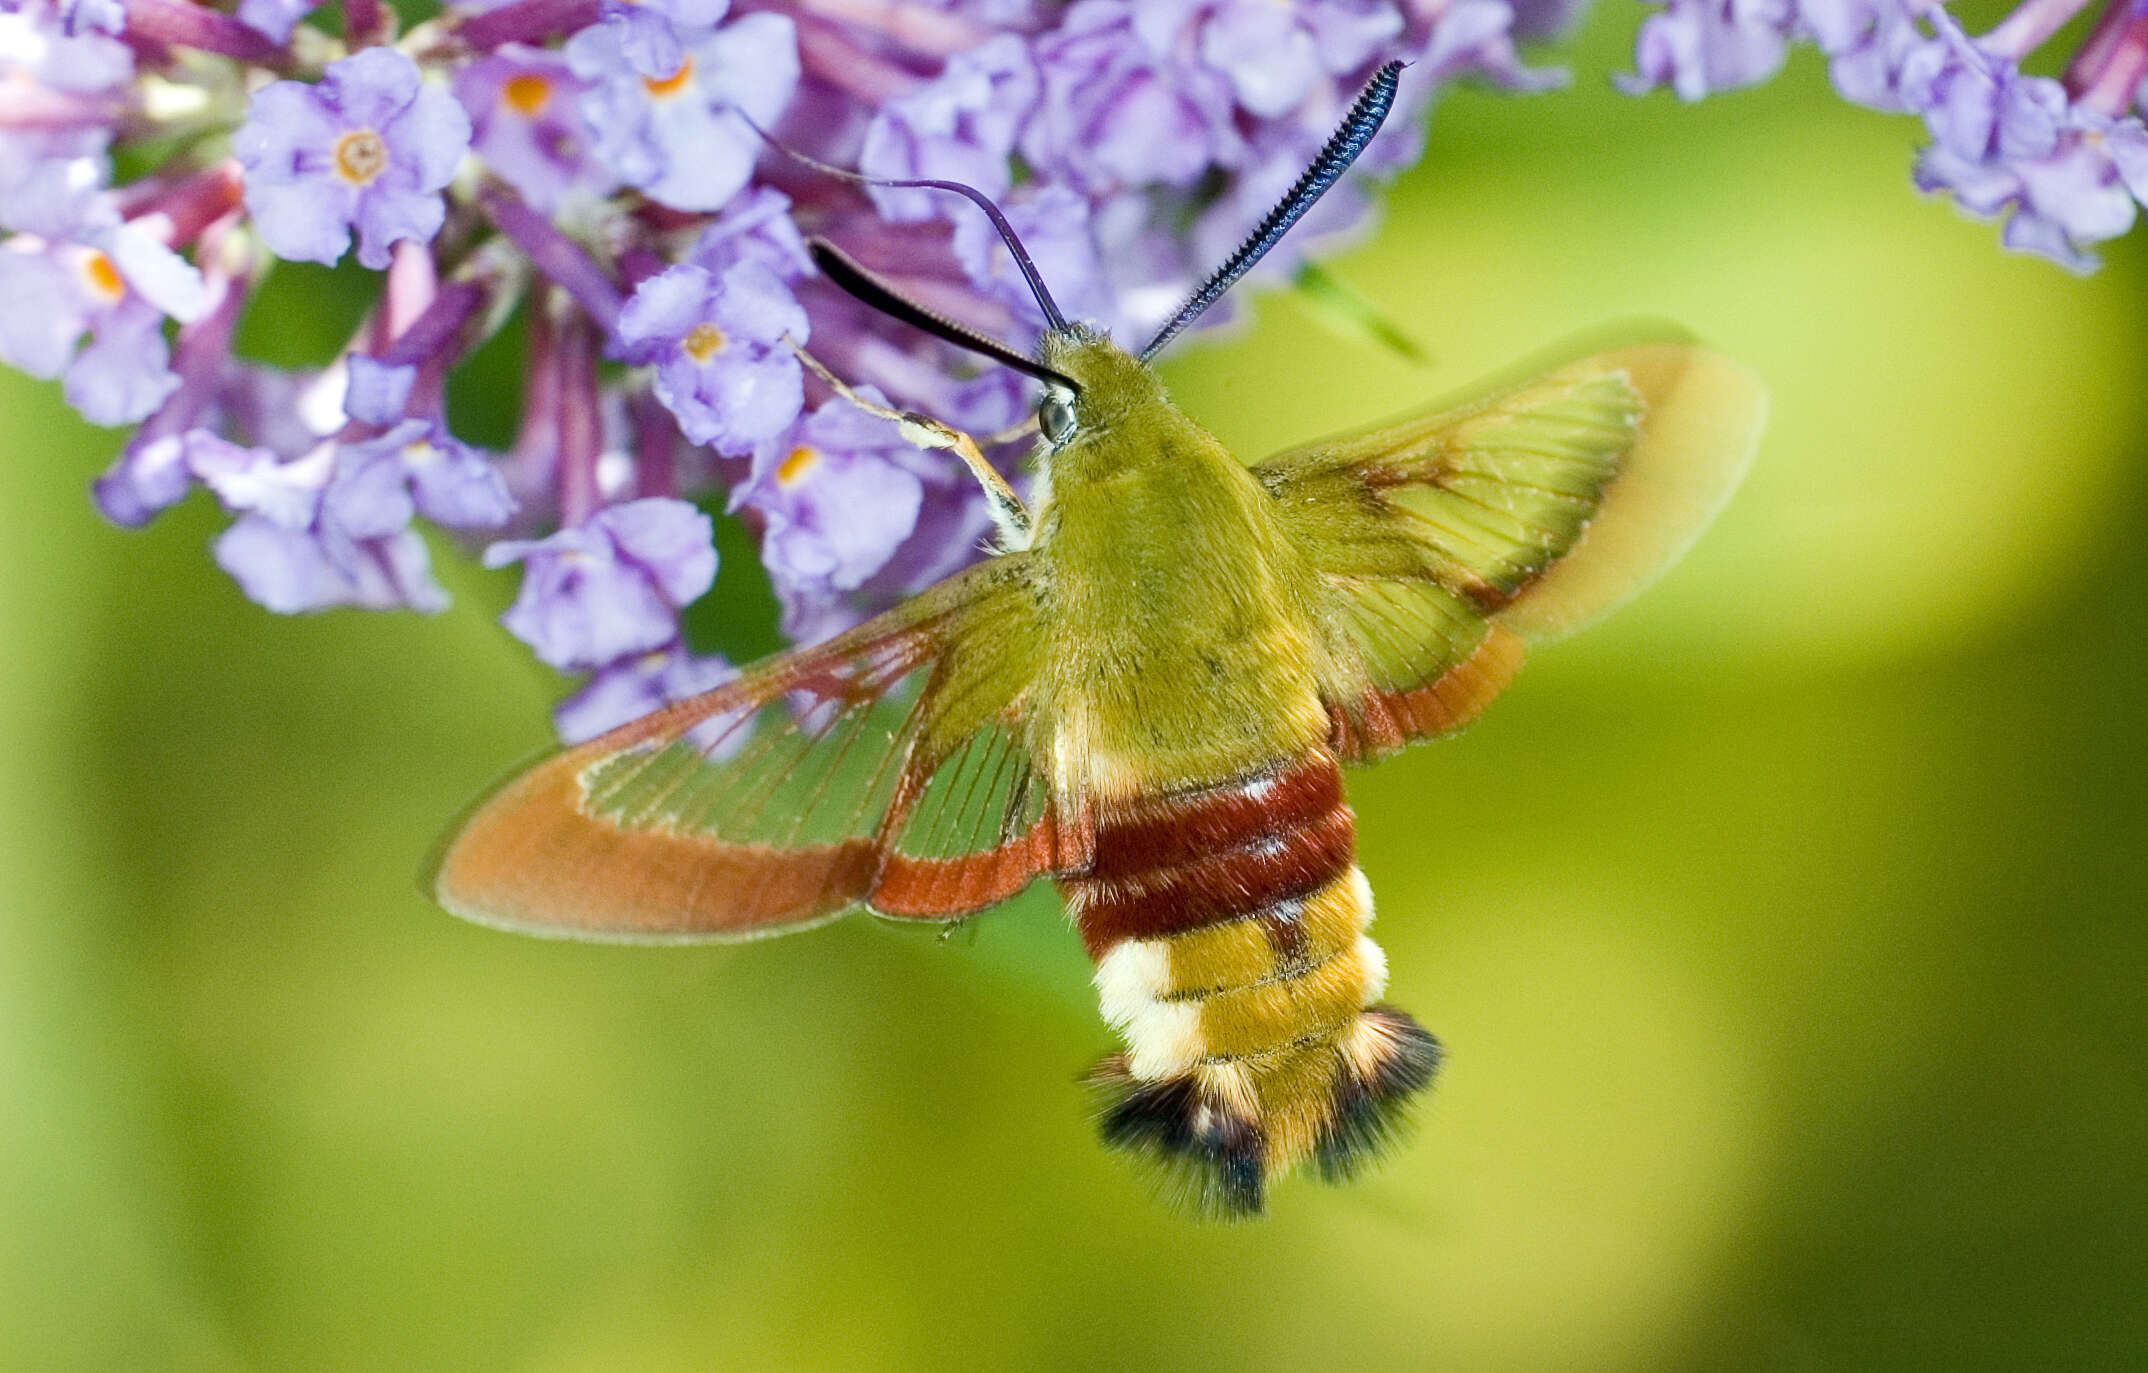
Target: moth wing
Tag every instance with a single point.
(1447, 540)
(889, 767)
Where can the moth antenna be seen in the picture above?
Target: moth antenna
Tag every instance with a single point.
(1366, 115)
(847, 274)
(970, 193)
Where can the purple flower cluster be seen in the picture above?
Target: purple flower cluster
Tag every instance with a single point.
(2064, 160)
(597, 170)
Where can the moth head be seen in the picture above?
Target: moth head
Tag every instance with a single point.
(1107, 382)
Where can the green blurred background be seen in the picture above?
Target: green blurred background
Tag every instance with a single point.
(1786, 931)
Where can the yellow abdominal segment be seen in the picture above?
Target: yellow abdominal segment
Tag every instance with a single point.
(1257, 1011)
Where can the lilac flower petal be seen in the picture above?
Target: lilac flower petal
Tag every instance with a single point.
(663, 310)
(1700, 46)
(384, 219)
(154, 272)
(962, 126)
(670, 540)
(369, 497)
(146, 479)
(755, 227)
(274, 18)
(2026, 232)
(369, 148)
(394, 572)
(302, 221)
(527, 126)
(44, 315)
(125, 371)
(1268, 53)
(676, 133)
(279, 568)
(50, 187)
(255, 481)
(455, 485)
(370, 87)
(632, 687)
(835, 499)
(377, 391)
(595, 594)
(722, 367)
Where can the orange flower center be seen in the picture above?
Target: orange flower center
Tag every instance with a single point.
(102, 276)
(526, 94)
(801, 461)
(672, 84)
(705, 342)
(360, 156)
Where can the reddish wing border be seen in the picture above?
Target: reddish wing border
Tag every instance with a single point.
(535, 857)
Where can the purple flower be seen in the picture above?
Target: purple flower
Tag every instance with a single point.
(377, 392)
(1699, 46)
(1474, 36)
(275, 18)
(598, 592)
(524, 106)
(117, 285)
(92, 16)
(835, 497)
(38, 45)
(1054, 226)
(315, 532)
(639, 683)
(1976, 105)
(419, 465)
(1276, 56)
(50, 183)
(754, 227)
(1122, 106)
(961, 126)
(1866, 42)
(2084, 189)
(149, 477)
(668, 120)
(722, 366)
(368, 148)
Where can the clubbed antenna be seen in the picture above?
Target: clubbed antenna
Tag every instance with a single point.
(1358, 127)
(1022, 261)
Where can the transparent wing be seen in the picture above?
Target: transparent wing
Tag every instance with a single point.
(889, 767)
(1449, 539)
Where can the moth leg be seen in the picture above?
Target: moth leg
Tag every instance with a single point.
(1013, 432)
(1007, 509)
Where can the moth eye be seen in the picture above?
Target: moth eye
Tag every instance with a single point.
(1055, 416)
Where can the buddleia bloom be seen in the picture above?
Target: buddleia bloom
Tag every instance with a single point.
(594, 177)
(2062, 160)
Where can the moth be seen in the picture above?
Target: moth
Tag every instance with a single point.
(1148, 694)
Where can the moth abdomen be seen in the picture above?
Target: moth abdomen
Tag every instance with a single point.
(1228, 928)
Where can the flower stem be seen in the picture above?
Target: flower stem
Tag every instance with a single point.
(919, 28)
(554, 254)
(2107, 73)
(656, 445)
(581, 425)
(527, 21)
(364, 23)
(2027, 28)
(188, 25)
(828, 54)
(188, 206)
